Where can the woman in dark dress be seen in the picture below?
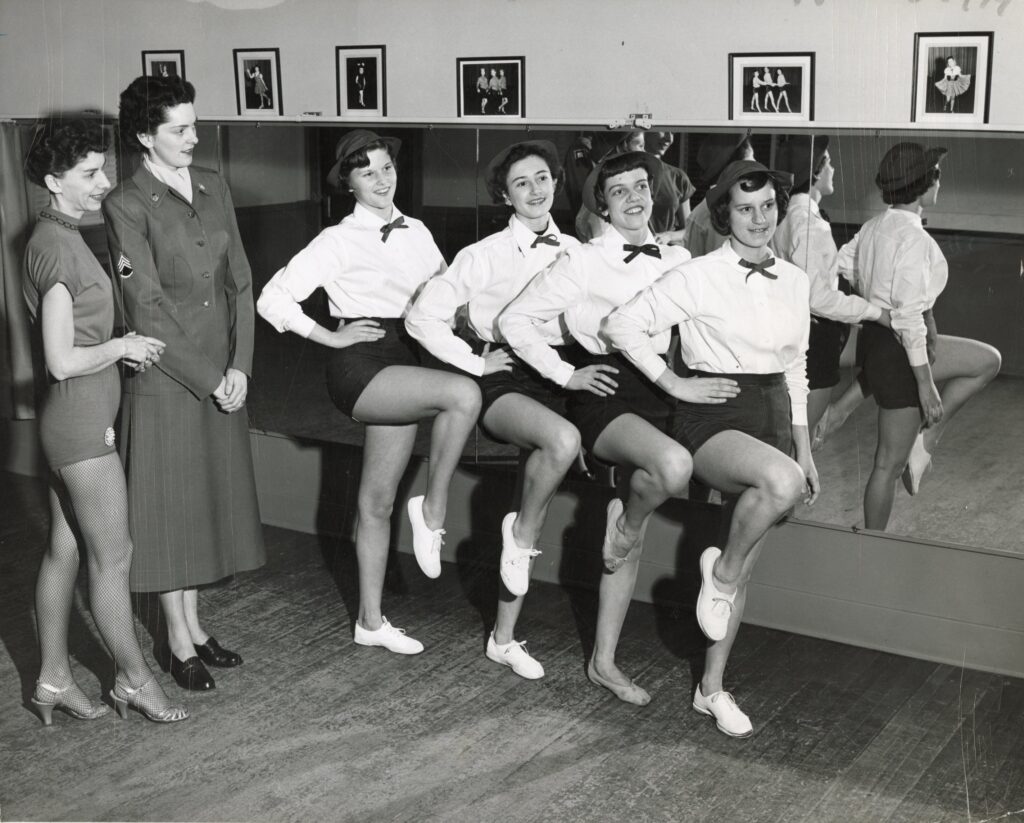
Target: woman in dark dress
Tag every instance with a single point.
(69, 297)
(183, 277)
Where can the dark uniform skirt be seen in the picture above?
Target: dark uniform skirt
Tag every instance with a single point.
(885, 368)
(827, 341)
(193, 510)
(77, 419)
(636, 394)
(761, 410)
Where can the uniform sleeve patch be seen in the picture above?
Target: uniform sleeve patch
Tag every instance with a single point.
(124, 267)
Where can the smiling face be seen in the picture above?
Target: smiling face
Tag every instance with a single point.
(628, 203)
(373, 186)
(174, 140)
(753, 217)
(530, 190)
(81, 188)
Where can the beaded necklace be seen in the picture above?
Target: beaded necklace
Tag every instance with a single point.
(58, 220)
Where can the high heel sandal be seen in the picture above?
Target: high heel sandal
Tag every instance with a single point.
(145, 700)
(52, 698)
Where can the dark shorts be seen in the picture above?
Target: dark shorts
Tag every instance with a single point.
(885, 369)
(827, 341)
(761, 409)
(350, 370)
(636, 394)
(77, 418)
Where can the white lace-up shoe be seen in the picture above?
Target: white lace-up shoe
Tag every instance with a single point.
(728, 717)
(391, 638)
(426, 542)
(714, 608)
(515, 560)
(515, 656)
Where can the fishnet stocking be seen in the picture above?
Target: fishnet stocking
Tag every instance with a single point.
(88, 503)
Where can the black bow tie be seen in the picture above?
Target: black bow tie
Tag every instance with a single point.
(761, 268)
(387, 228)
(649, 249)
(546, 239)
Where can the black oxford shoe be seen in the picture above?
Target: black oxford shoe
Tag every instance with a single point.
(190, 674)
(212, 654)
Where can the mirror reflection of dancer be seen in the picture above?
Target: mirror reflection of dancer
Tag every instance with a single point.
(952, 84)
(782, 96)
(742, 318)
(804, 238)
(70, 299)
(361, 84)
(769, 95)
(370, 265)
(481, 89)
(621, 417)
(259, 86)
(755, 97)
(904, 367)
(715, 153)
(519, 406)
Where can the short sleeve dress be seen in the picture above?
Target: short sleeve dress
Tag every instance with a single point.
(77, 414)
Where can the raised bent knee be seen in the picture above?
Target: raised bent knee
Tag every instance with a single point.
(563, 445)
(464, 397)
(673, 471)
(785, 481)
(993, 362)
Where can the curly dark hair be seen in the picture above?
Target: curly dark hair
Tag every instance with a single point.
(618, 164)
(60, 144)
(497, 182)
(360, 159)
(145, 103)
(909, 193)
(749, 182)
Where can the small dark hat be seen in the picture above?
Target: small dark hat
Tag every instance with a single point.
(799, 157)
(352, 142)
(545, 147)
(648, 161)
(715, 151)
(905, 164)
(738, 169)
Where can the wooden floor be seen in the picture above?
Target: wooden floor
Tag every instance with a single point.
(314, 728)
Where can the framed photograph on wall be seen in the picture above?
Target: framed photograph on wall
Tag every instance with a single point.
(491, 87)
(362, 81)
(952, 76)
(164, 64)
(777, 87)
(258, 81)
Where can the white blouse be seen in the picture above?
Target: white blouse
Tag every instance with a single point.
(730, 321)
(897, 265)
(804, 238)
(363, 275)
(484, 277)
(582, 286)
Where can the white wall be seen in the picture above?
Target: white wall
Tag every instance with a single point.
(586, 60)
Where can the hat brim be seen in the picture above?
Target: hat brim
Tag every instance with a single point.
(722, 159)
(736, 171)
(648, 161)
(393, 145)
(545, 146)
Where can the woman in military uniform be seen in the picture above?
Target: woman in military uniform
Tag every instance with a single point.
(183, 278)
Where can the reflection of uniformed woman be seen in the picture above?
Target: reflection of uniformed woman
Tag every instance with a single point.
(183, 278)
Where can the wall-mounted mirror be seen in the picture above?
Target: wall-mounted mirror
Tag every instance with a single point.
(971, 495)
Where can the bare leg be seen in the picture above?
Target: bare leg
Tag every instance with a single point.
(553, 443)
(769, 484)
(962, 368)
(817, 402)
(179, 638)
(838, 411)
(897, 429)
(661, 470)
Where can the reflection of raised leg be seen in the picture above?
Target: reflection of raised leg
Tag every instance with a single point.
(837, 412)
(662, 470)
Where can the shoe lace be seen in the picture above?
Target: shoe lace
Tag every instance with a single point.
(721, 605)
(524, 555)
(438, 540)
(386, 625)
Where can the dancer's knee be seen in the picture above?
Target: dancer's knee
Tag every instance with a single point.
(463, 397)
(673, 470)
(562, 445)
(784, 481)
(376, 505)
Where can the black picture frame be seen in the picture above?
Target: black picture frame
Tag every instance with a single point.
(787, 97)
(941, 95)
(164, 63)
(361, 77)
(491, 88)
(252, 96)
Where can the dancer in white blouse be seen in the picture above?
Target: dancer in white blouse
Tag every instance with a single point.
(621, 417)
(804, 238)
(742, 315)
(371, 265)
(519, 407)
(898, 265)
